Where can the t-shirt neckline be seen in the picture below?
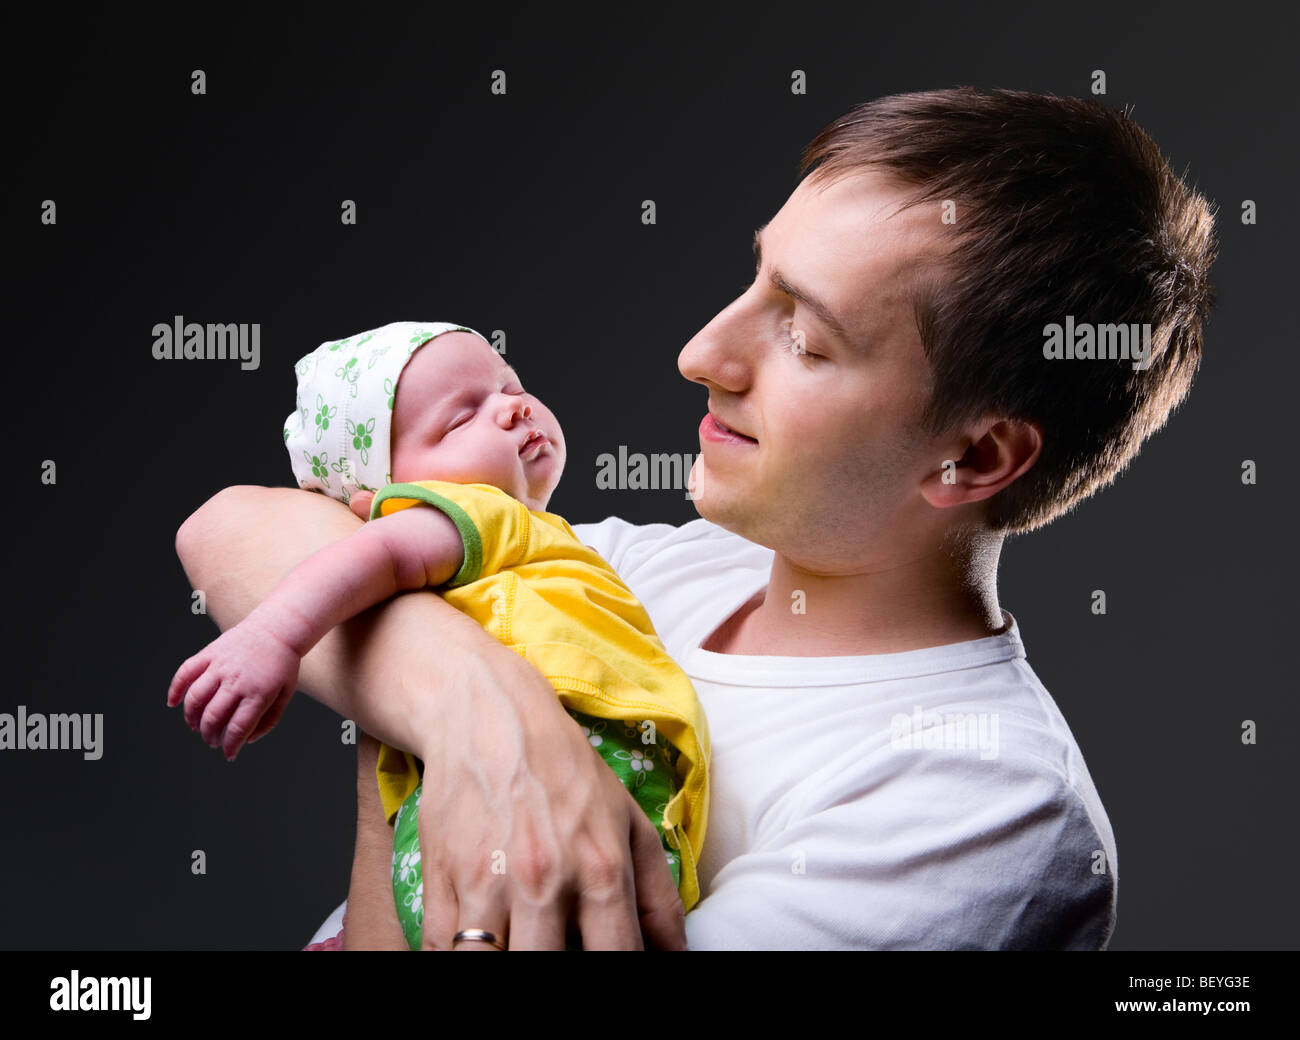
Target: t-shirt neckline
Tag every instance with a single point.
(769, 670)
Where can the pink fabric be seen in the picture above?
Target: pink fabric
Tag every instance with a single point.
(334, 942)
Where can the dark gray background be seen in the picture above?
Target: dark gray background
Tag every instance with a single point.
(523, 213)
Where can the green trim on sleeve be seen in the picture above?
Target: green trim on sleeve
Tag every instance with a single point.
(472, 565)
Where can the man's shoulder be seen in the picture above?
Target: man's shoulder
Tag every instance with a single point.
(1019, 844)
(1033, 747)
(626, 546)
(971, 775)
(917, 847)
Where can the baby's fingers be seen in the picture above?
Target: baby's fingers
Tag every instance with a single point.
(196, 699)
(217, 714)
(272, 715)
(360, 503)
(240, 727)
(189, 670)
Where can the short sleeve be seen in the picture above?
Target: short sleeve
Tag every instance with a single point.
(494, 527)
(957, 856)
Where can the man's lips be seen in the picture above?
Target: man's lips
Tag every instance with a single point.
(712, 429)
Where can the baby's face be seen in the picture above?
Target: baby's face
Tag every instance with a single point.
(461, 415)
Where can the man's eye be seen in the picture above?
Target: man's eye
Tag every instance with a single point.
(461, 421)
(796, 342)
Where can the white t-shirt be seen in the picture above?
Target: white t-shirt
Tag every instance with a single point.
(932, 799)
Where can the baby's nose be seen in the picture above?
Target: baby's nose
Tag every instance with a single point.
(514, 411)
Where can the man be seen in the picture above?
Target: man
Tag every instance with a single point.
(887, 402)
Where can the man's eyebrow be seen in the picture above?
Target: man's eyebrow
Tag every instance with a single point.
(802, 295)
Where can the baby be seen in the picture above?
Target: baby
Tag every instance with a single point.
(460, 435)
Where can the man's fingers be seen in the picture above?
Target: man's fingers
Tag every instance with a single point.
(482, 900)
(609, 923)
(535, 927)
(441, 909)
(606, 914)
(659, 906)
(664, 924)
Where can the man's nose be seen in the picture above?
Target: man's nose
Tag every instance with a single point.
(721, 353)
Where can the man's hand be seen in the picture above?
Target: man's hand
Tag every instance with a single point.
(523, 828)
(232, 683)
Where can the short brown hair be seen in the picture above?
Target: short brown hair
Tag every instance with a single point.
(1064, 207)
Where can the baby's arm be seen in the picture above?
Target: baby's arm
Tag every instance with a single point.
(241, 674)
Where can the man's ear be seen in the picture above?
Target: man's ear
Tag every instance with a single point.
(992, 454)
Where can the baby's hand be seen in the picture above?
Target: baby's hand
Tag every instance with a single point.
(360, 503)
(232, 682)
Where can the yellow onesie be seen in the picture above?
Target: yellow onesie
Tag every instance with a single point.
(530, 581)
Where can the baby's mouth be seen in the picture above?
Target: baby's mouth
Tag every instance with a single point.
(533, 444)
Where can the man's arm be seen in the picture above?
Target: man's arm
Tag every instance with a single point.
(232, 685)
(372, 919)
(425, 678)
(408, 550)
(245, 539)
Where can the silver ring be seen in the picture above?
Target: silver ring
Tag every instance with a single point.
(478, 935)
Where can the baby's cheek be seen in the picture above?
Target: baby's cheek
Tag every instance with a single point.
(402, 458)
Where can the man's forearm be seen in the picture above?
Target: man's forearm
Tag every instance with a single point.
(379, 667)
(372, 922)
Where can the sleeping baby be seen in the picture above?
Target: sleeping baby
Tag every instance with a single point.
(459, 436)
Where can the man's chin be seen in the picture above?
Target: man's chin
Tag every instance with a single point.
(717, 507)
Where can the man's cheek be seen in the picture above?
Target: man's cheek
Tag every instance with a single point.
(809, 447)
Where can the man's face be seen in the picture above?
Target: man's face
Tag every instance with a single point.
(831, 473)
(461, 415)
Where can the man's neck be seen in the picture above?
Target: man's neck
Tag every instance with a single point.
(947, 597)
